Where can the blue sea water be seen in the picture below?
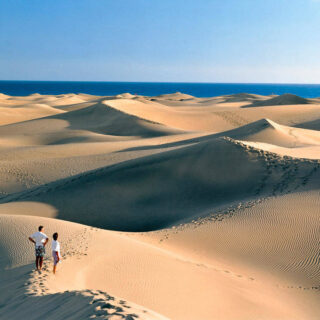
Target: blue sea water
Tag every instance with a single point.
(23, 88)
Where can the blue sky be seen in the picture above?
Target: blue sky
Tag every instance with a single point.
(161, 40)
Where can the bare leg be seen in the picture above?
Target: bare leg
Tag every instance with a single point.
(40, 262)
(54, 269)
(37, 262)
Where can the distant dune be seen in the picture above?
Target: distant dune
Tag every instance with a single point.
(268, 131)
(178, 96)
(167, 207)
(284, 99)
(241, 97)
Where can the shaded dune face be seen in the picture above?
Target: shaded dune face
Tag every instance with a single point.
(103, 119)
(158, 191)
(311, 125)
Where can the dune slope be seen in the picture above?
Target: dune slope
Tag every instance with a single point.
(83, 289)
(186, 182)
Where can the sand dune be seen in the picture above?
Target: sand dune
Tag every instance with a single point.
(268, 131)
(243, 97)
(102, 118)
(125, 95)
(27, 290)
(4, 96)
(59, 100)
(172, 198)
(182, 278)
(223, 201)
(284, 99)
(174, 96)
(189, 119)
(91, 123)
(14, 114)
(312, 125)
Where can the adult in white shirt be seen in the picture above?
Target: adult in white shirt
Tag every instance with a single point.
(40, 240)
(55, 246)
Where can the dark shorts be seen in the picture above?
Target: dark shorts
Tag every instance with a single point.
(40, 251)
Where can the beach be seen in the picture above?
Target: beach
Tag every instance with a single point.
(167, 207)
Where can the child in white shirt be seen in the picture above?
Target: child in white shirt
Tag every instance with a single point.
(55, 245)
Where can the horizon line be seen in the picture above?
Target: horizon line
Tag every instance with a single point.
(173, 82)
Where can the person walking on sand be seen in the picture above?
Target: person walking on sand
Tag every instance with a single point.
(55, 245)
(40, 240)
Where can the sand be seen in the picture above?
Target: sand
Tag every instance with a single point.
(168, 207)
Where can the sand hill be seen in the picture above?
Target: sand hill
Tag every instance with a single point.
(177, 96)
(242, 97)
(168, 207)
(284, 99)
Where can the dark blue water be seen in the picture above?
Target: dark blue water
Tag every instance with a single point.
(23, 88)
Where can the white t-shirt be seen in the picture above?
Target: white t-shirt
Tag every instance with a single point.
(55, 245)
(39, 238)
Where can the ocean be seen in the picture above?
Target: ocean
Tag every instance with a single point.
(23, 88)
